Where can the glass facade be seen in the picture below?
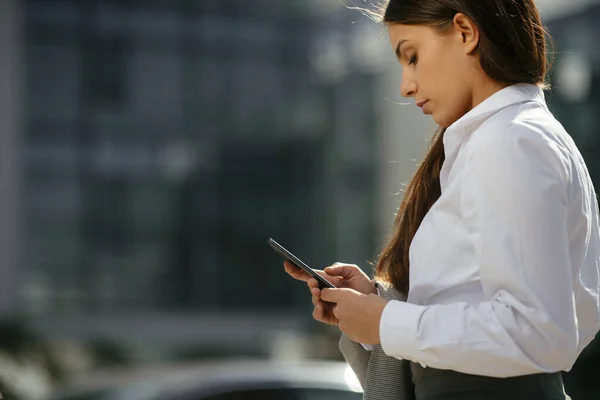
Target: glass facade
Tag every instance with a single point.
(166, 141)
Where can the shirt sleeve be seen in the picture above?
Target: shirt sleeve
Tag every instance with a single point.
(515, 204)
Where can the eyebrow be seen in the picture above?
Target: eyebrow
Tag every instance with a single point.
(398, 53)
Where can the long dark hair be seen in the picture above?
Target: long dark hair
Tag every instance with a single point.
(512, 49)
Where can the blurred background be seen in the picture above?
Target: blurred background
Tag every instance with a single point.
(148, 150)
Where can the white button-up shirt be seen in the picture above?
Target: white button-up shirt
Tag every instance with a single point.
(504, 269)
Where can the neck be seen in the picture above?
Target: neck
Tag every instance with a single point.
(485, 88)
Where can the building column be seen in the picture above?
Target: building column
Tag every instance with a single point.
(10, 156)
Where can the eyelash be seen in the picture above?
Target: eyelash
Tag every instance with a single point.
(413, 60)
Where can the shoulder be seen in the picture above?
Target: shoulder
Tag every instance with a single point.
(525, 136)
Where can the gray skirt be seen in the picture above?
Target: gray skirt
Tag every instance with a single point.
(436, 384)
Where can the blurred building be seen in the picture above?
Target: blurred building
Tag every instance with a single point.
(575, 98)
(159, 144)
(150, 148)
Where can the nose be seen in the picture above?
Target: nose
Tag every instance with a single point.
(408, 87)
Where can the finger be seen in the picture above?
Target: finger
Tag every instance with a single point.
(331, 295)
(323, 273)
(316, 292)
(323, 314)
(328, 314)
(315, 301)
(334, 311)
(312, 283)
(343, 270)
(335, 280)
(318, 312)
(295, 272)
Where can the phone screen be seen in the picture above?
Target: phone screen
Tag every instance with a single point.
(282, 251)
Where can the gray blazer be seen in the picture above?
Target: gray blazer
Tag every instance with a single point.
(381, 377)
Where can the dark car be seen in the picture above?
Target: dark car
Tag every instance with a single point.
(224, 380)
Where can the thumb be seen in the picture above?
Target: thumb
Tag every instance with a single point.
(336, 295)
(330, 295)
(345, 271)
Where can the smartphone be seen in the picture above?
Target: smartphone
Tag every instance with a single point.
(282, 251)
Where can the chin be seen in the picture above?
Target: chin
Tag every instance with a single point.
(444, 121)
(440, 121)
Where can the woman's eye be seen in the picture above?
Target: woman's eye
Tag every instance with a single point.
(413, 60)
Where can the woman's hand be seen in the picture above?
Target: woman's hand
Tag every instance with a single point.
(340, 275)
(356, 314)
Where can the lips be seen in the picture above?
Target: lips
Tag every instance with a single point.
(424, 106)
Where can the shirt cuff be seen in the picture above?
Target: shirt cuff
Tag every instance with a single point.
(399, 328)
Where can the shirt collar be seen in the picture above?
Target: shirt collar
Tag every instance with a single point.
(468, 123)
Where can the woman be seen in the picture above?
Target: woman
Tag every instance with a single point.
(496, 242)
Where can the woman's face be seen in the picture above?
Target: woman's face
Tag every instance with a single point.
(438, 69)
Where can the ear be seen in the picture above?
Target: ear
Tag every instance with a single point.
(468, 31)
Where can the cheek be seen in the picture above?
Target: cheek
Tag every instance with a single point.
(435, 72)
(444, 80)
